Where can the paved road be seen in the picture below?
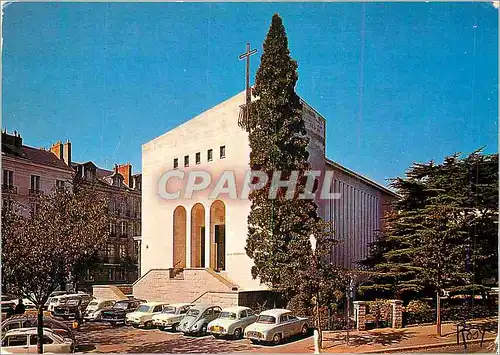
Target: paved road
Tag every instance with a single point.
(474, 348)
(103, 338)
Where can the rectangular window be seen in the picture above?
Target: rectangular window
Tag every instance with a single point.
(8, 178)
(198, 158)
(59, 184)
(35, 183)
(210, 154)
(176, 163)
(186, 160)
(124, 228)
(223, 152)
(123, 251)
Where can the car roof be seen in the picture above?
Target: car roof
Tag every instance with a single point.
(32, 330)
(235, 309)
(156, 303)
(275, 312)
(99, 300)
(202, 307)
(131, 300)
(180, 304)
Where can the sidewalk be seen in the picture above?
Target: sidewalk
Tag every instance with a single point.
(376, 340)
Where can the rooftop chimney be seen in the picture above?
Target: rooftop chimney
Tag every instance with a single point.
(126, 171)
(12, 139)
(67, 153)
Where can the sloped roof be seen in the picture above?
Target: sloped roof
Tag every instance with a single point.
(34, 155)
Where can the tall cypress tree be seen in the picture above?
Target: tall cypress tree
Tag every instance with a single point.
(279, 229)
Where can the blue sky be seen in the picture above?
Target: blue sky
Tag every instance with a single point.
(397, 82)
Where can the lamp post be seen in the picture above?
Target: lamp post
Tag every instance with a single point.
(318, 338)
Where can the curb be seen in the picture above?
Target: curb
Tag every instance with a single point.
(425, 346)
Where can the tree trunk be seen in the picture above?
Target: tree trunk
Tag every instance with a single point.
(438, 313)
(39, 329)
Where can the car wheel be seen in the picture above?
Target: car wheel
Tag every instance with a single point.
(135, 325)
(148, 324)
(237, 333)
(305, 330)
(254, 341)
(276, 339)
(203, 329)
(174, 327)
(113, 324)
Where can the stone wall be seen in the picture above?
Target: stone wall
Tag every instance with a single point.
(108, 292)
(188, 286)
(223, 299)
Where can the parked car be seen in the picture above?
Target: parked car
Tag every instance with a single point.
(24, 340)
(116, 314)
(275, 325)
(30, 320)
(68, 306)
(197, 318)
(232, 322)
(8, 308)
(95, 307)
(57, 301)
(171, 316)
(143, 315)
(54, 294)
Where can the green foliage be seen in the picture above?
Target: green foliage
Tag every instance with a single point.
(40, 249)
(279, 229)
(442, 233)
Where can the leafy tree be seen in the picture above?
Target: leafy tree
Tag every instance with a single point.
(279, 229)
(443, 233)
(40, 249)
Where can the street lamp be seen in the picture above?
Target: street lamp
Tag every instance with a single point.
(317, 332)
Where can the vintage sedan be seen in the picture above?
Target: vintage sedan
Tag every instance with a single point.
(171, 316)
(143, 315)
(275, 325)
(232, 322)
(197, 318)
(31, 320)
(95, 307)
(24, 340)
(116, 314)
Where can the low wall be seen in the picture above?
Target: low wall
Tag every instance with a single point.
(108, 292)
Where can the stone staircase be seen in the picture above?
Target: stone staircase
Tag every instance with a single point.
(197, 285)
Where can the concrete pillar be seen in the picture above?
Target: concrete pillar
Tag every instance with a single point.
(360, 314)
(208, 233)
(397, 313)
(188, 237)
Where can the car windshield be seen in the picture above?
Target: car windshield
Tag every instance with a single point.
(266, 319)
(168, 310)
(228, 315)
(193, 312)
(143, 308)
(72, 302)
(120, 305)
(93, 303)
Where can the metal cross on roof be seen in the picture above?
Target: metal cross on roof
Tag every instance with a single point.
(247, 55)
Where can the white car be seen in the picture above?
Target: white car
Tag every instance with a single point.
(143, 315)
(93, 311)
(275, 325)
(171, 316)
(24, 340)
(232, 322)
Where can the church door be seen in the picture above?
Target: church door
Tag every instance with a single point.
(220, 242)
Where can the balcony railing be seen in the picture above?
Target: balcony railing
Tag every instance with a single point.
(9, 189)
(35, 192)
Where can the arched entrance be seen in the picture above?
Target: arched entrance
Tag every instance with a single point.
(218, 235)
(198, 236)
(179, 240)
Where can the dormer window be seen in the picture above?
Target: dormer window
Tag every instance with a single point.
(117, 181)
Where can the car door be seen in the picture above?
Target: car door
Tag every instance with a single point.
(16, 343)
(48, 344)
(242, 319)
(251, 317)
(294, 324)
(286, 326)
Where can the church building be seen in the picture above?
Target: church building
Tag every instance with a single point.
(193, 249)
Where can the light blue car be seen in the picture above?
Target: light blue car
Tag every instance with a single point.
(197, 318)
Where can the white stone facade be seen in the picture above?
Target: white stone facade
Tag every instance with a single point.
(213, 129)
